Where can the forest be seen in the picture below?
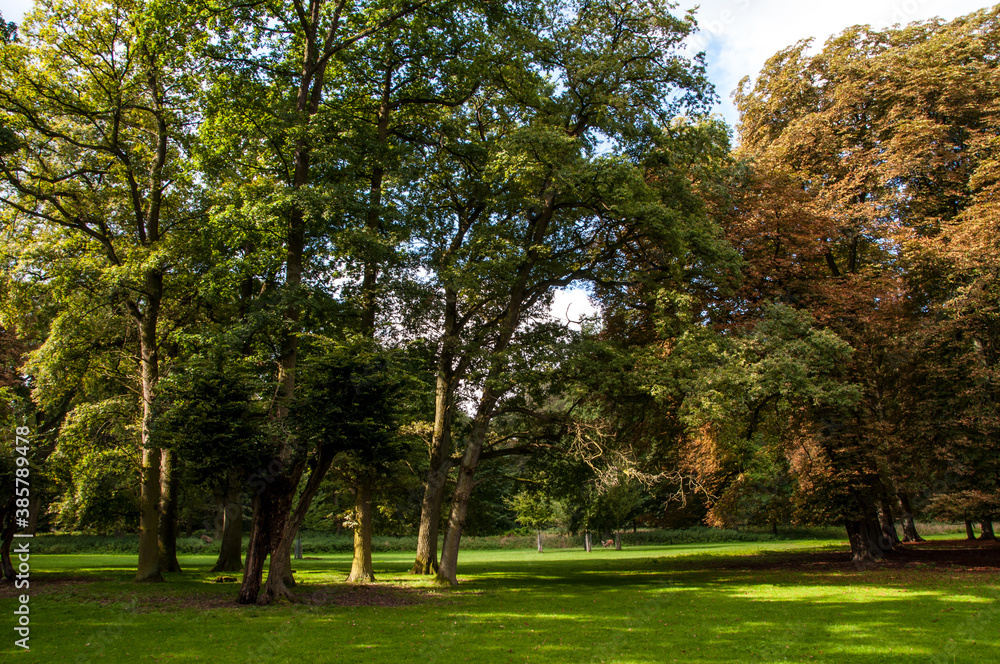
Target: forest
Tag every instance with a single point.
(275, 266)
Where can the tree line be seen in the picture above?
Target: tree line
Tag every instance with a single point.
(254, 250)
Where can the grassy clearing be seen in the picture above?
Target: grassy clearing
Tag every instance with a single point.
(711, 602)
(323, 542)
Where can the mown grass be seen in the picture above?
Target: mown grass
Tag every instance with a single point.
(710, 602)
(323, 542)
(314, 542)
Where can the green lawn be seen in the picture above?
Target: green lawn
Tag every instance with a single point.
(696, 603)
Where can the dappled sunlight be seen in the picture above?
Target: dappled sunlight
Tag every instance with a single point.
(646, 608)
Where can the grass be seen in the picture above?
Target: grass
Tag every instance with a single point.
(323, 542)
(703, 602)
(315, 542)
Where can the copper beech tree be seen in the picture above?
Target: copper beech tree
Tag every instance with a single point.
(867, 157)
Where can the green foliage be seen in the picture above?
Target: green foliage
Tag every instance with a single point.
(211, 416)
(785, 359)
(8, 31)
(615, 504)
(533, 509)
(353, 398)
(968, 505)
(94, 467)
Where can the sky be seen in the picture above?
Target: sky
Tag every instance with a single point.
(738, 36)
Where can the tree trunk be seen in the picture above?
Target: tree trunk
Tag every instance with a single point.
(970, 534)
(361, 566)
(35, 509)
(230, 550)
(167, 531)
(287, 573)
(618, 540)
(887, 524)
(539, 541)
(426, 561)
(868, 542)
(259, 546)
(448, 571)
(149, 518)
(279, 573)
(987, 530)
(910, 533)
(586, 541)
(148, 568)
(279, 562)
(8, 523)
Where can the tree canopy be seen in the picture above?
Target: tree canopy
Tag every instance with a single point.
(281, 257)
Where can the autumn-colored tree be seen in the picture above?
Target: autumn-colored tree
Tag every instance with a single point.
(874, 143)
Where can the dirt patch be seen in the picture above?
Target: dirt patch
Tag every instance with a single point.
(955, 555)
(140, 602)
(44, 585)
(368, 595)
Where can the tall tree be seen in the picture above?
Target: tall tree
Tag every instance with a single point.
(876, 137)
(528, 204)
(277, 63)
(98, 97)
(400, 87)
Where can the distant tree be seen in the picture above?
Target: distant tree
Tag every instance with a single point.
(621, 501)
(533, 511)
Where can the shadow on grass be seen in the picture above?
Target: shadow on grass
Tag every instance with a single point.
(637, 607)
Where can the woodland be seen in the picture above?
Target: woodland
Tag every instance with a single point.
(275, 266)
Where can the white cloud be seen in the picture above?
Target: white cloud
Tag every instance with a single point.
(738, 36)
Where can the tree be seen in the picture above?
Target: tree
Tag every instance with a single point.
(530, 205)
(533, 511)
(101, 170)
(207, 414)
(12, 400)
(874, 144)
(402, 87)
(270, 132)
(8, 31)
(350, 408)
